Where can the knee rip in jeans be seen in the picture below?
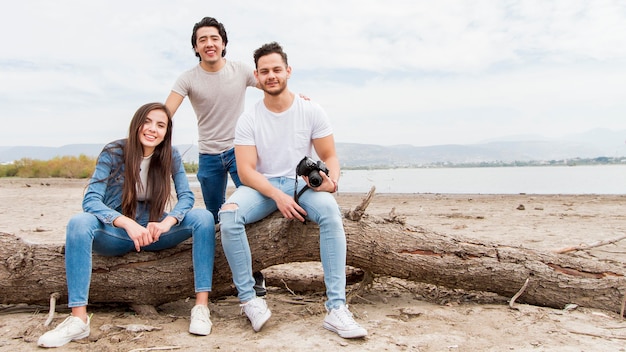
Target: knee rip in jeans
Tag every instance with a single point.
(229, 207)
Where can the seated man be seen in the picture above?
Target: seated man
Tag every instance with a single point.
(270, 140)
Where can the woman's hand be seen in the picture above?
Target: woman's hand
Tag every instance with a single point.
(139, 234)
(157, 228)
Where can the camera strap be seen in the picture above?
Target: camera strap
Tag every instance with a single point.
(296, 196)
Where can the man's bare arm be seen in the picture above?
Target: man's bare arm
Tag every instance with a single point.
(173, 101)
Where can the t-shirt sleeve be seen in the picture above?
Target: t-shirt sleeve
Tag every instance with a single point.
(181, 86)
(321, 123)
(248, 72)
(251, 79)
(244, 132)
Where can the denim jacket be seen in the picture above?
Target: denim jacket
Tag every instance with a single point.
(104, 198)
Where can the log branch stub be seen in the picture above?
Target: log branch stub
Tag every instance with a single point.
(357, 213)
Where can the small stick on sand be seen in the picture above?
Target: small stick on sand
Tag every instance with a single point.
(597, 335)
(53, 301)
(158, 348)
(621, 314)
(287, 287)
(519, 293)
(588, 246)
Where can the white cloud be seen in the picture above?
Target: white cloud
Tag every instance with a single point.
(415, 72)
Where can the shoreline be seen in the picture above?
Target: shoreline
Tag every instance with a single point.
(73, 182)
(39, 208)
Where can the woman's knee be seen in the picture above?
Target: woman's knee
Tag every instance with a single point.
(81, 225)
(82, 221)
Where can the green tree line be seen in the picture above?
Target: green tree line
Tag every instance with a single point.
(81, 166)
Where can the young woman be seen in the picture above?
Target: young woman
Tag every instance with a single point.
(126, 208)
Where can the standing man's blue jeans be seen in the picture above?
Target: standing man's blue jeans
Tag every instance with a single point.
(321, 208)
(213, 170)
(85, 233)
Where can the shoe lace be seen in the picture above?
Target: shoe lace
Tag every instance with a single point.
(345, 316)
(252, 308)
(201, 314)
(66, 326)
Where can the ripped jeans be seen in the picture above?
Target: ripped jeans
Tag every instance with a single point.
(252, 206)
(213, 177)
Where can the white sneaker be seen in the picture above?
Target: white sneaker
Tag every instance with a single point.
(257, 312)
(340, 320)
(71, 329)
(200, 320)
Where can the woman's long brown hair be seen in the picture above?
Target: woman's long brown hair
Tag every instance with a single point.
(160, 172)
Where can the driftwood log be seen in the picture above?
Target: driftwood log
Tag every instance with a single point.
(30, 273)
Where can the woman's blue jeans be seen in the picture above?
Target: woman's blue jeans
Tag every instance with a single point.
(85, 233)
(213, 170)
(252, 206)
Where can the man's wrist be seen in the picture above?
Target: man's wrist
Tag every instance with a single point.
(336, 188)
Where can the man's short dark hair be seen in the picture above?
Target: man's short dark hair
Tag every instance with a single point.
(269, 48)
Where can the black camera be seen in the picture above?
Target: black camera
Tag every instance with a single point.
(311, 168)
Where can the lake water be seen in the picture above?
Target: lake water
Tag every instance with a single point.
(602, 179)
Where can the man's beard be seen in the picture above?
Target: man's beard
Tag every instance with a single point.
(280, 89)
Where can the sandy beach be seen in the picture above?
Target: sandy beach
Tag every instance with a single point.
(399, 315)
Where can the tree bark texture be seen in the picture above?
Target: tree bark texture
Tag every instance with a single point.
(30, 273)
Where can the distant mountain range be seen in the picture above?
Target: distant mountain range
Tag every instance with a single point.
(592, 144)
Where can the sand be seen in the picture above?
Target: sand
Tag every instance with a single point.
(399, 315)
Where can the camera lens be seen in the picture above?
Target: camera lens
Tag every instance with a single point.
(315, 179)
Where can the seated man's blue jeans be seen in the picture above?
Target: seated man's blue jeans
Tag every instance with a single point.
(86, 233)
(213, 170)
(252, 206)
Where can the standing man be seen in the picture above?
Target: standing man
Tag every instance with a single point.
(270, 140)
(216, 89)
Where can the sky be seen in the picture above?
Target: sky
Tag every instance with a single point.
(386, 72)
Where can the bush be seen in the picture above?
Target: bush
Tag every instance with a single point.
(63, 167)
(191, 168)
